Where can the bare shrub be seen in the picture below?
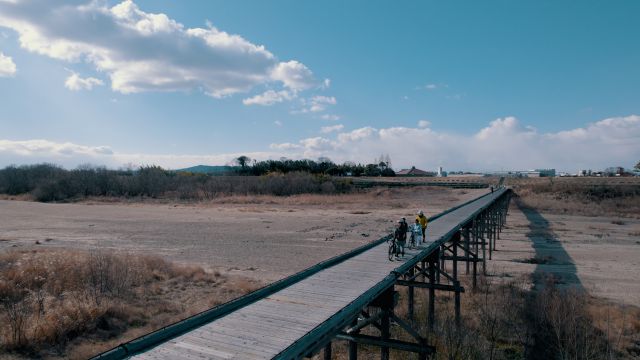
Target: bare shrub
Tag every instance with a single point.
(563, 328)
(50, 183)
(55, 300)
(14, 299)
(581, 197)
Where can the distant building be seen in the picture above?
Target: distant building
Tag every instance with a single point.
(546, 172)
(414, 172)
(614, 171)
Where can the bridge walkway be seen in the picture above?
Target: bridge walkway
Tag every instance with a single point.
(268, 327)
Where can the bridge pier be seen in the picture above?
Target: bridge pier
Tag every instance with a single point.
(384, 305)
(327, 351)
(410, 296)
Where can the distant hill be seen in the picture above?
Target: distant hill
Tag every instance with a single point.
(208, 169)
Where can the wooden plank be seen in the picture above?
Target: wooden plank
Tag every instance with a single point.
(296, 318)
(232, 344)
(281, 330)
(314, 301)
(275, 320)
(242, 339)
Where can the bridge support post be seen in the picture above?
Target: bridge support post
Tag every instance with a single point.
(327, 351)
(353, 346)
(494, 225)
(490, 232)
(411, 295)
(385, 303)
(467, 248)
(437, 264)
(456, 282)
(433, 261)
(474, 237)
(482, 232)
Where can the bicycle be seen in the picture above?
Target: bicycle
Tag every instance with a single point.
(412, 241)
(393, 249)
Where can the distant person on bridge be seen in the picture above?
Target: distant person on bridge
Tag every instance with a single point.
(400, 236)
(423, 224)
(416, 233)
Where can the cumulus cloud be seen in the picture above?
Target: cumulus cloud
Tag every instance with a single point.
(44, 150)
(317, 103)
(7, 66)
(71, 155)
(141, 51)
(269, 98)
(330, 117)
(294, 75)
(328, 129)
(424, 124)
(503, 144)
(75, 83)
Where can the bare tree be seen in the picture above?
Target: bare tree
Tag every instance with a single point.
(243, 161)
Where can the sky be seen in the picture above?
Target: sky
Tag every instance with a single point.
(467, 85)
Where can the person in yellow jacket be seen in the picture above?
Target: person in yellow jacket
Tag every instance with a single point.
(423, 223)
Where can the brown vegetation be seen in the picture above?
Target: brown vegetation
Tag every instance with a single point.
(75, 304)
(581, 197)
(506, 320)
(47, 183)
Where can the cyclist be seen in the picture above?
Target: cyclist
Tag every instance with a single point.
(423, 224)
(416, 233)
(401, 236)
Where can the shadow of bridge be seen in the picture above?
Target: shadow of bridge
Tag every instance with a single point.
(551, 258)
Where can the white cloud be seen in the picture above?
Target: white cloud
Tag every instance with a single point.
(7, 66)
(318, 103)
(285, 146)
(294, 75)
(328, 129)
(278, 123)
(431, 86)
(503, 144)
(330, 117)
(51, 149)
(424, 124)
(142, 51)
(75, 83)
(269, 98)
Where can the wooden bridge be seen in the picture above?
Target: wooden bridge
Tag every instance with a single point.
(299, 316)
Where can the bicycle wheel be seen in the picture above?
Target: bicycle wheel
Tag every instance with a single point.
(392, 250)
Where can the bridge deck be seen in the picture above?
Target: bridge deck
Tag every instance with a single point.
(267, 327)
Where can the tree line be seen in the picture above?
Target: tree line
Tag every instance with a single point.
(47, 182)
(322, 166)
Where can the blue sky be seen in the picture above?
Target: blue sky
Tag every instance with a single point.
(466, 85)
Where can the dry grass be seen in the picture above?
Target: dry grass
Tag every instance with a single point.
(372, 199)
(506, 320)
(581, 197)
(75, 304)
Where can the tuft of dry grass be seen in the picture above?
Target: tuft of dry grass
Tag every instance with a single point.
(75, 304)
(581, 198)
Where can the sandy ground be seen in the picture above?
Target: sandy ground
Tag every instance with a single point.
(599, 254)
(267, 240)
